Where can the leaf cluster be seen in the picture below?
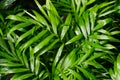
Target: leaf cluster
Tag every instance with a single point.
(64, 40)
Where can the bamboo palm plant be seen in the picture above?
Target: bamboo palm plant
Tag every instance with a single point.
(72, 41)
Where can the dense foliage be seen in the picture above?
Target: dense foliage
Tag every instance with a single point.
(61, 40)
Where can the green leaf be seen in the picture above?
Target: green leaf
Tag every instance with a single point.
(49, 47)
(106, 4)
(4, 45)
(70, 59)
(112, 74)
(77, 30)
(37, 65)
(76, 75)
(103, 31)
(93, 14)
(33, 39)
(54, 18)
(106, 13)
(42, 73)
(32, 59)
(41, 9)
(7, 56)
(105, 37)
(51, 7)
(94, 56)
(115, 32)
(26, 34)
(36, 78)
(102, 23)
(12, 48)
(25, 59)
(10, 64)
(74, 39)
(66, 26)
(74, 6)
(78, 3)
(45, 76)
(82, 27)
(63, 76)
(82, 8)
(21, 25)
(90, 2)
(6, 3)
(19, 56)
(96, 65)
(40, 18)
(118, 64)
(106, 9)
(12, 37)
(16, 70)
(86, 73)
(115, 74)
(43, 43)
(1, 17)
(56, 78)
(87, 22)
(22, 77)
(97, 45)
(17, 18)
(85, 56)
(34, 17)
(110, 46)
(1, 32)
(57, 57)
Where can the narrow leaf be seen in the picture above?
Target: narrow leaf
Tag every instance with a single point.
(43, 43)
(22, 77)
(49, 47)
(77, 75)
(41, 9)
(32, 59)
(18, 26)
(16, 70)
(25, 59)
(70, 59)
(102, 23)
(76, 38)
(86, 73)
(32, 40)
(26, 34)
(67, 26)
(57, 57)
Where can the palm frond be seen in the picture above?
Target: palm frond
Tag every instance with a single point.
(51, 45)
